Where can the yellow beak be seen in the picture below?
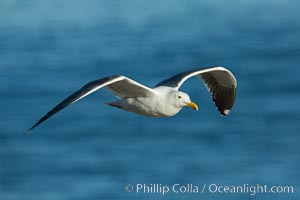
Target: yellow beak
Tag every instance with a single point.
(192, 105)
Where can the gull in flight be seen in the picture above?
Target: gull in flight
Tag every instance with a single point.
(163, 100)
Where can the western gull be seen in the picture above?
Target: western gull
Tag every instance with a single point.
(163, 100)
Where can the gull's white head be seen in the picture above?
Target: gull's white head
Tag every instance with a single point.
(182, 99)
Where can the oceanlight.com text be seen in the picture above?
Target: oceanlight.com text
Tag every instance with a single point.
(248, 189)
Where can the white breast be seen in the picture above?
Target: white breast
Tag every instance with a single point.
(154, 106)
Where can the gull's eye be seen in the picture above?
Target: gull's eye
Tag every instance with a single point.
(179, 97)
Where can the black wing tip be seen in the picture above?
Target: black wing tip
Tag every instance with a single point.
(224, 105)
(38, 123)
(223, 99)
(29, 130)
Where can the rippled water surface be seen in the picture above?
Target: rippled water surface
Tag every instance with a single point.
(50, 48)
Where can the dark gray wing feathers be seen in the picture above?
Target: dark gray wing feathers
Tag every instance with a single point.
(219, 81)
(74, 97)
(223, 96)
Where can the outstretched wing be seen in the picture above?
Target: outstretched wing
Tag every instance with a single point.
(120, 86)
(219, 81)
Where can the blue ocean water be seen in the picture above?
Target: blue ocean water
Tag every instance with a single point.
(91, 151)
